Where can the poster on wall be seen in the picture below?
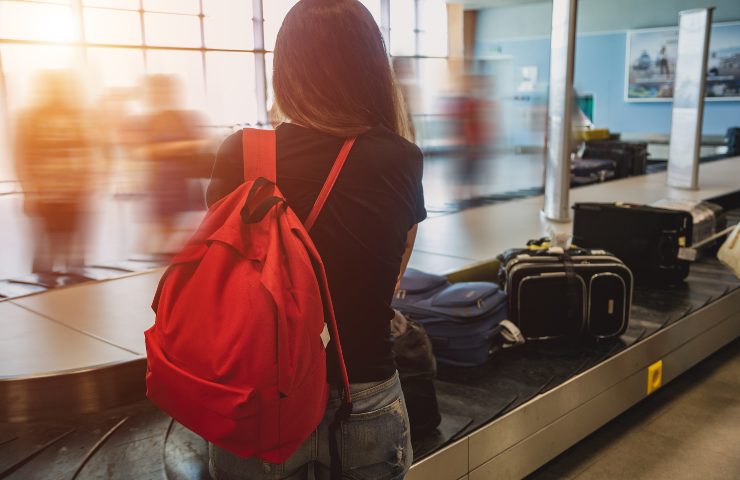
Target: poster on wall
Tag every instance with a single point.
(651, 63)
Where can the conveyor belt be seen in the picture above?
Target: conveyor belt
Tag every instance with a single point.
(513, 377)
(138, 441)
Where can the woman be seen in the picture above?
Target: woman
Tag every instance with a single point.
(332, 80)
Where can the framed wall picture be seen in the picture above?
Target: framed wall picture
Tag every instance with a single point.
(723, 63)
(651, 64)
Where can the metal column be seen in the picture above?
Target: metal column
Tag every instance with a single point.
(689, 83)
(560, 107)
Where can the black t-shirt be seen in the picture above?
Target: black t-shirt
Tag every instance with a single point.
(361, 232)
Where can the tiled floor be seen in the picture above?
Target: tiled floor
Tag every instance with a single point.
(689, 429)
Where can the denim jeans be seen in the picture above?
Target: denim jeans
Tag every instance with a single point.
(375, 442)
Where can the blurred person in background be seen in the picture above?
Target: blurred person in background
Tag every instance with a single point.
(55, 165)
(408, 88)
(175, 148)
(118, 135)
(471, 110)
(113, 110)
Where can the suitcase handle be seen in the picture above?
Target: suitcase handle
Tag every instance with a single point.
(570, 278)
(690, 253)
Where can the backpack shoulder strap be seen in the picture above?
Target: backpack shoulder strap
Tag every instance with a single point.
(259, 154)
(330, 181)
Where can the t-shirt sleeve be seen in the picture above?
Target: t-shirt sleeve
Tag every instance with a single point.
(420, 211)
(228, 169)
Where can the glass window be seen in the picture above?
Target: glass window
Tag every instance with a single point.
(21, 63)
(435, 75)
(402, 27)
(172, 30)
(7, 172)
(374, 7)
(37, 21)
(274, 12)
(115, 67)
(229, 25)
(112, 26)
(58, 2)
(268, 75)
(173, 6)
(125, 4)
(432, 28)
(232, 96)
(188, 67)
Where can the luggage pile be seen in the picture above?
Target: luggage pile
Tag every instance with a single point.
(630, 158)
(544, 292)
(600, 160)
(541, 293)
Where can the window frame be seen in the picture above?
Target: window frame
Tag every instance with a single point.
(259, 51)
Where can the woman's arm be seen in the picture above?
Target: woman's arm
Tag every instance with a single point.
(410, 239)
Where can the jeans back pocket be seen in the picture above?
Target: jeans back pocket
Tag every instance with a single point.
(376, 445)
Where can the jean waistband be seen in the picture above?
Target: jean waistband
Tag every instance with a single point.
(361, 391)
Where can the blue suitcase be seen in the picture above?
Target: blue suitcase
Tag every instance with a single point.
(463, 320)
(417, 285)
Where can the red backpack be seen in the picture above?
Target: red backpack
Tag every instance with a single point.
(237, 351)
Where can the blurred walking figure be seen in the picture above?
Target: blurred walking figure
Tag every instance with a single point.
(113, 113)
(172, 144)
(471, 111)
(55, 165)
(408, 88)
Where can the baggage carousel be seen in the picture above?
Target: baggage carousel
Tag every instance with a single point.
(72, 361)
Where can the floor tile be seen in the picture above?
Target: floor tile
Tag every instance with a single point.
(546, 475)
(690, 428)
(647, 455)
(585, 453)
(705, 421)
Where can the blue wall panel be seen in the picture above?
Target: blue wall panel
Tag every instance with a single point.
(599, 69)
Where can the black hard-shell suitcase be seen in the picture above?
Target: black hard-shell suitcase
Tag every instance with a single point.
(647, 239)
(558, 294)
(462, 319)
(707, 217)
(630, 157)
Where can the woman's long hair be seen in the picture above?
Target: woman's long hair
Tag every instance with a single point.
(331, 70)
